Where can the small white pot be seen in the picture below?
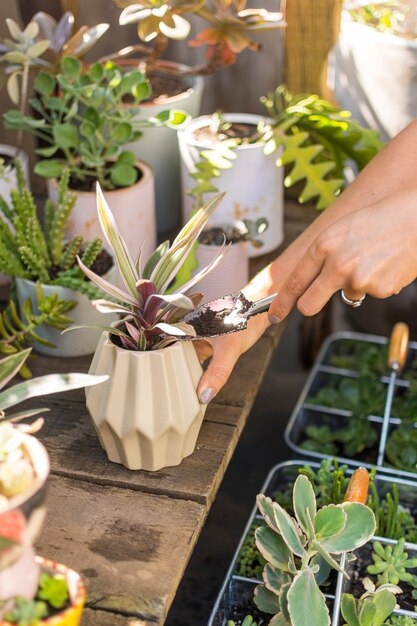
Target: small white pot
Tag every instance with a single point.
(229, 276)
(133, 208)
(253, 185)
(77, 342)
(20, 577)
(159, 147)
(9, 181)
(147, 414)
(374, 75)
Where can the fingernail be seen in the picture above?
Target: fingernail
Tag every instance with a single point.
(207, 395)
(273, 319)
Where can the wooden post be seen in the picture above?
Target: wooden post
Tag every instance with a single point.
(313, 28)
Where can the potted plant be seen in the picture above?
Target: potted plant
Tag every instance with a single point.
(31, 253)
(310, 135)
(89, 124)
(233, 273)
(24, 469)
(228, 30)
(374, 64)
(153, 376)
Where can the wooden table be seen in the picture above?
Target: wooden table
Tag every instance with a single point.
(130, 534)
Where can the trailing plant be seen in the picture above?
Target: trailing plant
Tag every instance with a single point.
(372, 608)
(391, 564)
(361, 356)
(89, 123)
(401, 448)
(300, 552)
(230, 30)
(16, 331)
(28, 250)
(152, 315)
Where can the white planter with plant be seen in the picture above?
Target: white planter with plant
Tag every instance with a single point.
(8, 174)
(148, 414)
(228, 29)
(374, 72)
(48, 279)
(251, 180)
(310, 135)
(87, 131)
(24, 469)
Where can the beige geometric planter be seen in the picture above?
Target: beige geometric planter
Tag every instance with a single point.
(147, 414)
(133, 208)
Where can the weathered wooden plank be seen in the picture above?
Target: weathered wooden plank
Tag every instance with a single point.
(75, 452)
(131, 548)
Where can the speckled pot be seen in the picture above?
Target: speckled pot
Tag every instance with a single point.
(147, 414)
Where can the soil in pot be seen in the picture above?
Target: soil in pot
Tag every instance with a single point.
(244, 133)
(8, 159)
(216, 236)
(211, 323)
(164, 85)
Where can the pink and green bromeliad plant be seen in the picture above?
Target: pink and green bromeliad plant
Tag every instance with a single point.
(158, 291)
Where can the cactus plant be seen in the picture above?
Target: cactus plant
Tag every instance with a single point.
(300, 552)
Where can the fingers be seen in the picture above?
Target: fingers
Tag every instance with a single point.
(218, 371)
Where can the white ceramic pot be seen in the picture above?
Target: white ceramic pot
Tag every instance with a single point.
(9, 181)
(77, 342)
(253, 186)
(24, 518)
(229, 276)
(133, 208)
(147, 414)
(159, 147)
(374, 75)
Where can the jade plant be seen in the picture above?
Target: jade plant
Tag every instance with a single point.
(229, 30)
(300, 551)
(35, 252)
(87, 127)
(372, 608)
(152, 315)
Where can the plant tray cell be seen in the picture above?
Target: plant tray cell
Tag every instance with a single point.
(309, 413)
(237, 591)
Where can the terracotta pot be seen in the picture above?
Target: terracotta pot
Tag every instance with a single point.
(253, 185)
(133, 208)
(159, 148)
(70, 616)
(76, 343)
(25, 511)
(374, 75)
(147, 415)
(229, 276)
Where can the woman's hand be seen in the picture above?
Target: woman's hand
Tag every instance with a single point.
(370, 251)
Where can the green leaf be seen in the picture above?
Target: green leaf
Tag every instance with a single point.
(274, 578)
(92, 115)
(177, 118)
(127, 158)
(123, 175)
(71, 66)
(288, 529)
(330, 521)
(52, 168)
(97, 72)
(65, 135)
(272, 547)
(47, 152)
(53, 589)
(359, 528)
(385, 602)
(265, 600)
(38, 48)
(13, 91)
(142, 91)
(306, 603)
(45, 385)
(87, 129)
(122, 133)
(10, 365)
(304, 500)
(348, 609)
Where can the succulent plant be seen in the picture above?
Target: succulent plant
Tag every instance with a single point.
(28, 250)
(152, 315)
(300, 552)
(230, 29)
(372, 608)
(391, 563)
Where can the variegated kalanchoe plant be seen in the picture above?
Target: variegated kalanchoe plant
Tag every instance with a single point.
(300, 552)
(152, 313)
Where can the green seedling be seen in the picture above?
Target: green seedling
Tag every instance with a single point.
(391, 564)
(372, 608)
